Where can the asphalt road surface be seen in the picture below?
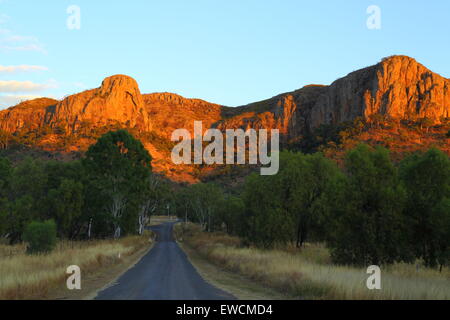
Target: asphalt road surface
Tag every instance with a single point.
(164, 273)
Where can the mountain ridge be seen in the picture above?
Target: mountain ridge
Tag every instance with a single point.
(398, 87)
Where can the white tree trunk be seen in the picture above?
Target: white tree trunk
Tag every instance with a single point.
(141, 225)
(89, 228)
(117, 233)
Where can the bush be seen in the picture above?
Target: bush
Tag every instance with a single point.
(41, 237)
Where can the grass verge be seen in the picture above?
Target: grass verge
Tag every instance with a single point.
(236, 284)
(309, 273)
(38, 276)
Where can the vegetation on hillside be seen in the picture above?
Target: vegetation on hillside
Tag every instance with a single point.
(401, 137)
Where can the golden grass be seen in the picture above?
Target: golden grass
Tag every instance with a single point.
(309, 274)
(156, 220)
(25, 276)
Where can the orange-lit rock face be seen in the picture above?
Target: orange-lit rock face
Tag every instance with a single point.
(398, 87)
(29, 113)
(118, 99)
(406, 89)
(168, 112)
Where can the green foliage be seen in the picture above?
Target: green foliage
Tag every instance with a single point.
(368, 213)
(329, 134)
(112, 188)
(205, 201)
(266, 222)
(41, 237)
(159, 142)
(5, 175)
(65, 205)
(118, 167)
(306, 179)
(231, 213)
(29, 178)
(427, 181)
(292, 202)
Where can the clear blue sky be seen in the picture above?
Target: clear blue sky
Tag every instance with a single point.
(228, 52)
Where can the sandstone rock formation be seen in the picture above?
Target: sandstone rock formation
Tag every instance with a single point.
(118, 99)
(397, 87)
(30, 113)
(169, 112)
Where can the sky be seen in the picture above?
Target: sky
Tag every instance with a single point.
(226, 52)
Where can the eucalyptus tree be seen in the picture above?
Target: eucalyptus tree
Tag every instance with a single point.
(427, 181)
(119, 167)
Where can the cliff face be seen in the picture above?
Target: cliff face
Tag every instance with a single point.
(169, 112)
(117, 100)
(290, 113)
(398, 87)
(30, 114)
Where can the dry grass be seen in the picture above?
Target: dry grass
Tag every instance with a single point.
(156, 220)
(309, 274)
(25, 276)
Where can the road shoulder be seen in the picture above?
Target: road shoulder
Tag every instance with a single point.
(239, 286)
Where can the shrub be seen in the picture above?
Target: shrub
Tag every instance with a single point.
(41, 237)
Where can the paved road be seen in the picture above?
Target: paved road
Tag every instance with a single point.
(164, 273)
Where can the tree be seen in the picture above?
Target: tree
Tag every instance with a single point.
(205, 200)
(368, 213)
(119, 167)
(5, 176)
(425, 123)
(153, 196)
(305, 180)
(183, 203)
(29, 179)
(231, 213)
(427, 181)
(66, 203)
(265, 221)
(41, 237)
(66, 195)
(24, 197)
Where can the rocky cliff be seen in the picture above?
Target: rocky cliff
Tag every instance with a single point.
(31, 114)
(117, 100)
(398, 87)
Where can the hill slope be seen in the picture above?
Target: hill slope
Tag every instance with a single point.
(398, 88)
